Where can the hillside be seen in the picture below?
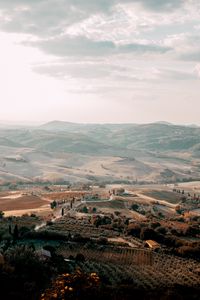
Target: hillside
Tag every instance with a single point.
(158, 152)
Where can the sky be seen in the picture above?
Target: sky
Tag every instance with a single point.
(100, 61)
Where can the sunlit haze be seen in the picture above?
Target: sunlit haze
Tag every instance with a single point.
(100, 61)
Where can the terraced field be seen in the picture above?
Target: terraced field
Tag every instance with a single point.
(82, 227)
(143, 268)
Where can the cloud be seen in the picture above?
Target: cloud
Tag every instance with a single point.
(45, 17)
(76, 70)
(89, 51)
(82, 46)
(41, 17)
(172, 74)
(92, 5)
(197, 70)
(91, 70)
(75, 46)
(161, 5)
(98, 70)
(186, 46)
(143, 48)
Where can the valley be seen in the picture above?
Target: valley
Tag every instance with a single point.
(114, 207)
(110, 153)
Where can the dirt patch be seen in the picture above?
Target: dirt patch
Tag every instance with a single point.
(122, 241)
(22, 202)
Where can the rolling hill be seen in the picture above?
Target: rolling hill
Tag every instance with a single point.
(157, 152)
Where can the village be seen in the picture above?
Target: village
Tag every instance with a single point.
(128, 229)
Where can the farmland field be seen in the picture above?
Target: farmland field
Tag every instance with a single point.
(163, 195)
(141, 267)
(18, 201)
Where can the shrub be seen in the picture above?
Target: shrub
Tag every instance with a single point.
(161, 230)
(80, 257)
(85, 210)
(134, 230)
(148, 234)
(78, 285)
(23, 231)
(23, 274)
(1, 214)
(134, 207)
(154, 225)
(102, 241)
(46, 235)
(189, 251)
(49, 223)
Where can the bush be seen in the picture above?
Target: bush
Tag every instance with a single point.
(148, 234)
(134, 207)
(45, 235)
(78, 285)
(85, 210)
(33, 216)
(102, 241)
(50, 248)
(23, 274)
(173, 241)
(161, 230)
(49, 223)
(80, 239)
(192, 230)
(189, 251)
(154, 225)
(80, 257)
(1, 214)
(134, 230)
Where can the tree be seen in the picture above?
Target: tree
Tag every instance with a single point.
(134, 206)
(15, 233)
(134, 229)
(80, 257)
(25, 274)
(10, 229)
(147, 234)
(85, 210)
(53, 204)
(1, 214)
(161, 230)
(154, 225)
(23, 231)
(97, 221)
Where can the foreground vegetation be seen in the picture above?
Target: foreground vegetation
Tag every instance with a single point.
(112, 249)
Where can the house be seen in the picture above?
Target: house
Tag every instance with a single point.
(90, 197)
(43, 254)
(118, 191)
(152, 244)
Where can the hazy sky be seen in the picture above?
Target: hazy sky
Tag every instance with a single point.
(100, 60)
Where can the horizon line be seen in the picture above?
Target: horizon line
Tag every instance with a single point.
(41, 123)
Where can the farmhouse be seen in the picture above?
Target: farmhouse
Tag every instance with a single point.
(91, 197)
(118, 191)
(152, 244)
(43, 254)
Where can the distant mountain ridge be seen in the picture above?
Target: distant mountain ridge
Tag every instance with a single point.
(97, 151)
